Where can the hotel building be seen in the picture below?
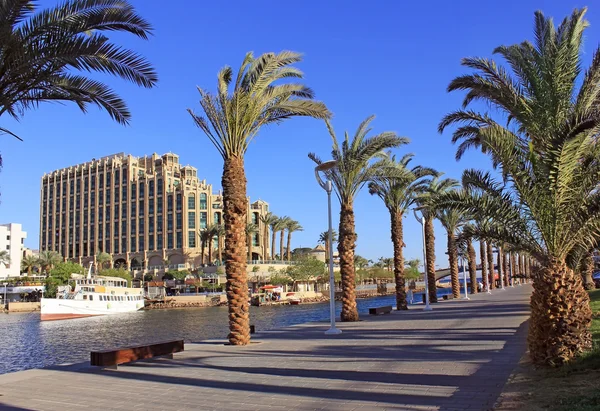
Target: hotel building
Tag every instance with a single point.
(145, 212)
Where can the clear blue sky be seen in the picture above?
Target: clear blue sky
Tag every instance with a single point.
(391, 59)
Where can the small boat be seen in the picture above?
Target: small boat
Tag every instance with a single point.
(292, 299)
(92, 296)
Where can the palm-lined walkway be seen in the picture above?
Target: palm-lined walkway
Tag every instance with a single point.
(456, 357)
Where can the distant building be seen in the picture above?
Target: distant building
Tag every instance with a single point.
(12, 238)
(144, 211)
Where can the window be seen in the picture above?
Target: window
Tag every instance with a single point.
(151, 188)
(124, 193)
(116, 240)
(100, 231)
(179, 221)
(133, 244)
(107, 214)
(116, 231)
(124, 228)
(217, 218)
(255, 240)
(179, 239)
(108, 179)
(101, 197)
(141, 243)
(85, 202)
(133, 209)
(100, 214)
(179, 201)
(133, 191)
(203, 201)
(117, 177)
(151, 224)
(108, 196)
(132, 227)
(203, 221)
(116, 196)
(170, 203)
(123, 246)
(142, 186)
(86, 185)
(151, 207)
(159, 223)
(78, 186)
(159, 186)
(107, 245)
(170, 240)
(141, 226)
(101, 181)
(255, 218)
(141, 207)
(191, 220)
(192, 202)
(159, 242)
(116, 212)
(124, 210)
(107, 230)
(72, 187)
(151, 242)
(93, 182)
(159, 205)
(192, 239)
(124, 177)
(93, 199)
(170, 222)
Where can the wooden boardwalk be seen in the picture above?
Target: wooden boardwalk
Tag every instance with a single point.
(457, 357)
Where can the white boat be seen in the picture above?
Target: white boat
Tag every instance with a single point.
(92, 296)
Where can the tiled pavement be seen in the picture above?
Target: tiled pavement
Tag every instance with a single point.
(457, 357)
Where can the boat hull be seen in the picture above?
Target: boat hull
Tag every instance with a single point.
(63, 309)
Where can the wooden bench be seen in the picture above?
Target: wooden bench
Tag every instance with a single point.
(380, 310)
(112, 358)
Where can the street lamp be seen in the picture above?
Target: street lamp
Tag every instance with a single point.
(422, 222)
(328, 187)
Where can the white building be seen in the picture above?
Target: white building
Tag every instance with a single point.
(12, 238)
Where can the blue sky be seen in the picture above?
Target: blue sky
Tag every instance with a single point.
(391, 59)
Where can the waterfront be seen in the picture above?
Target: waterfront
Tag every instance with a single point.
(26, 342)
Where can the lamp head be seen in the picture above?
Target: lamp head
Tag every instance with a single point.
(328, 165)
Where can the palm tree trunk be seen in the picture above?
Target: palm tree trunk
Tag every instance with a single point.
(587, 270)
(500, 260)
(266, 242)
(210, 247)
(514, 273)
(398, 242)
(472, 266)
(220, 249)
(289, 246)
(453, 260)
(202, 246)
(273, 241)
(522, 266)
(558, 338)
(281, 245)
(249, 246)
(506, 267)
(490, 256)
(346, 246)
(430, 255)
(483, 258)
(327, 251)
(234, 216)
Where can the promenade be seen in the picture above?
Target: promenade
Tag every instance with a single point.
(457, 357)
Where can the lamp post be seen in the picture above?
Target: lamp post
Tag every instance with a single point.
(422, 222)
(465, 278)
(328, 187)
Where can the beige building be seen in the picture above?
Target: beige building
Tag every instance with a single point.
(145, 212)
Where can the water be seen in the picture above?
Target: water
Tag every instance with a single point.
(26, 342)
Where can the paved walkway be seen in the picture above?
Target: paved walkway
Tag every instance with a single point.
(457, 357)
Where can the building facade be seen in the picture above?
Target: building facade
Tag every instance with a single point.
(12, 239)
(145, 212)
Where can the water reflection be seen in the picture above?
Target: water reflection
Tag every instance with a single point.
(26, 342)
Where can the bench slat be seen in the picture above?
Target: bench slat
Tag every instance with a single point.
(106, 358)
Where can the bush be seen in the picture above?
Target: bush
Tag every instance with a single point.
(63, 271)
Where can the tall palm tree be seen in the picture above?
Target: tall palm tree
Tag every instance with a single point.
(399, 193)
(274, 229)
(472, 265)
(251, 229)
(233, 119)
(547, 204)
(48, 259)
(452, 220)
(281, 226)
(505, 265)
(355, 167)
(29, 263)
(491, 272)
(4, 258)
(41, 49)
(205, 238)
(426, 201)
(292, 226)
(324, 239)
(267, 221)
(102, 259)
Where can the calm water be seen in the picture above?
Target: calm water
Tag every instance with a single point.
(26, 342)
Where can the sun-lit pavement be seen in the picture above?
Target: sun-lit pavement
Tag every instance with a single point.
(457, 357)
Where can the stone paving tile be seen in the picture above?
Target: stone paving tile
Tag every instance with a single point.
(457, 357)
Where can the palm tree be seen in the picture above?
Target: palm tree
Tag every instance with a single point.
(48, 259)
(205, 238)
(28, 264)
(274, 224)
(4, 258)
(505, 265)
(399, 193)
(547, 203)
(491, 272)
(472, 265)
(233, 119)
(355, 167)
(292, 226)
(219, 232)
(426, 200)
(360, 262)
(452, 220)
(101, 259)
(281, 226)
(40, 52)
(251, 229)
(267, 220)
(324, 239)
